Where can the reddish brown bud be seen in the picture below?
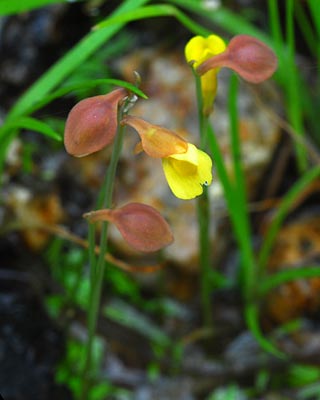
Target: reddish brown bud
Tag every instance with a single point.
(92, 123)
(141, 226)
(253, 60)
(156, 141)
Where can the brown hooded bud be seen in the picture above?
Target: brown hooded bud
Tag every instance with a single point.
(156, 141)
(141, 226)
(92, 123)
(253, 60)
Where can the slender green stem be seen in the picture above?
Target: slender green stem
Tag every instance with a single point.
(293, 88)
(203, 215)
(292, 82)
(275, 25)
(97, 266)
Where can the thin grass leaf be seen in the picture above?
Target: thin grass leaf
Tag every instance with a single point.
(226, 19)
(229, 188)
(306, 28)
(85, 85)
(126, 315)
(314, 12)
(8, 7)
(252, 318)
(35, 125)
(241, 219)
(288, 275)
(283, 210)
(293, 87)
(155, 11)
(239, 193)
(275, 23)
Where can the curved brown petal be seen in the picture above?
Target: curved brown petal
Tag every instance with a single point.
(253, 60)
(156, 141)
(92, 123)
(141, 226)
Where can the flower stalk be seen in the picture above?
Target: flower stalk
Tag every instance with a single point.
(97, 266)
(203, 216)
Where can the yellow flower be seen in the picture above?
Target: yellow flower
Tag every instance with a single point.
(198, 50)
(186, 168)
(186, 173)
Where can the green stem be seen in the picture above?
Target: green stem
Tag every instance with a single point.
(203, 215)
(292, 81)
(248, 271)
(97, 267)
(293, 88)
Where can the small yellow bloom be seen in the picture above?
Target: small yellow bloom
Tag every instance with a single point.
(186, 173)
(186, 168)
(198, 50)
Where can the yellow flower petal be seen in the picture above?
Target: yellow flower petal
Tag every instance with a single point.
(209, 85)
(199, 48)
(187, 173)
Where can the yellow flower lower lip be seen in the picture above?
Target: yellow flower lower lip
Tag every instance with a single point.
(187, 173)
(186, 168)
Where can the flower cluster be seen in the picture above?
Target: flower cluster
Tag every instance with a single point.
(250, 58)
(93, 123)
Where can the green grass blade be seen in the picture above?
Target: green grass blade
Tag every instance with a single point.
(288, 275)
(36, 126)
(84, 85)
(241, 219)
(8, 7)
(306, 28)
(293, 87)
(239, 193)
(252, 318)
(226, 19)
(314, 12)
(275, 23)
(230, 191)
(160, 10)
(283, 210)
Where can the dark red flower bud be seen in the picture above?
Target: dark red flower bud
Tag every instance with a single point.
(253, 60)
(141, 226)
(92, 123)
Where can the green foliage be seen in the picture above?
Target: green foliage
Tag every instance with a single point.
(17, 6)
(231, 392)
(69, 372)
(160, 10)
(126, 315)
